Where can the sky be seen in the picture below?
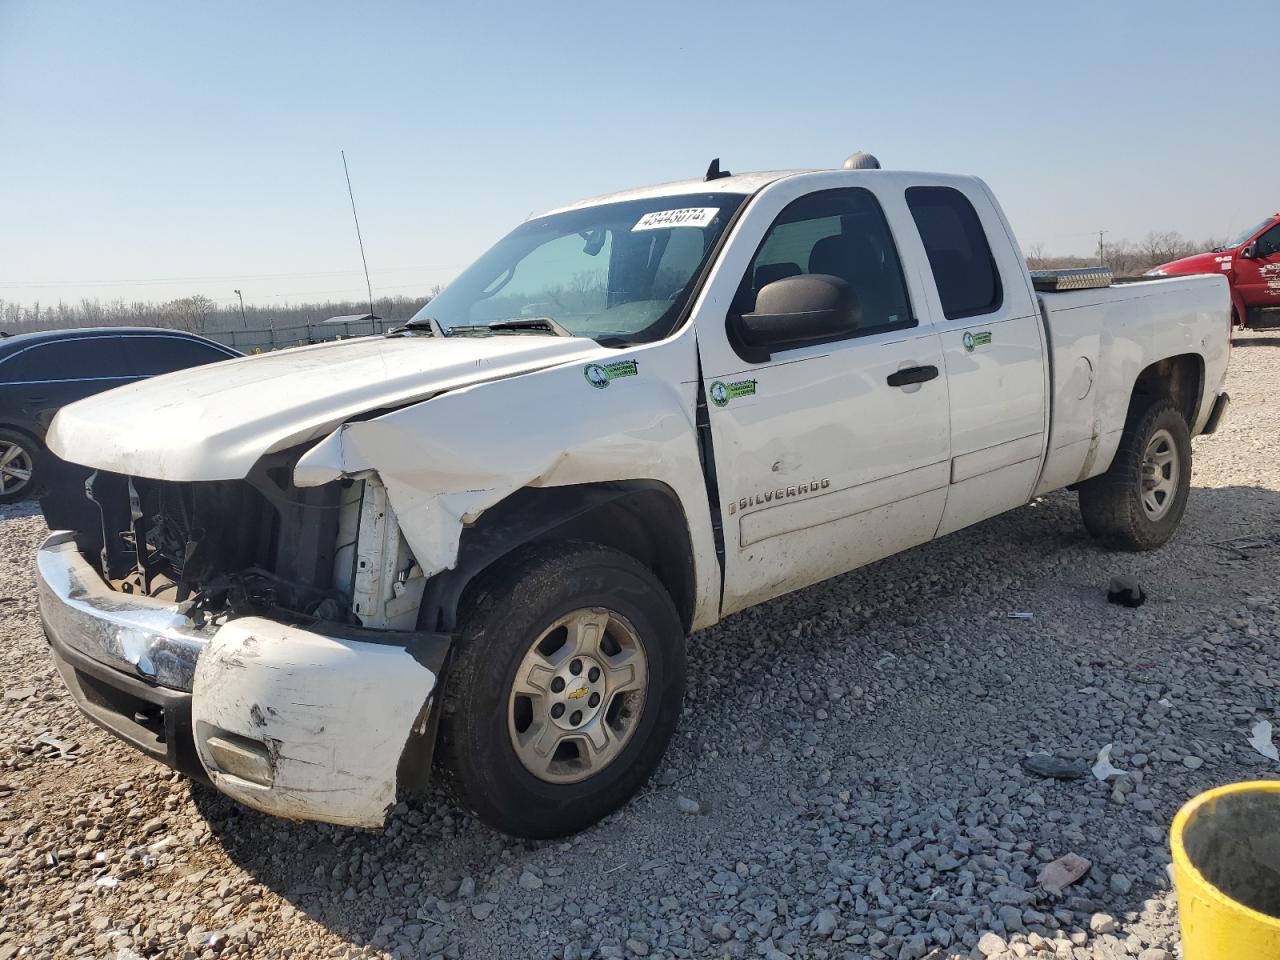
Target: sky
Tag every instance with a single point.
(150, 150)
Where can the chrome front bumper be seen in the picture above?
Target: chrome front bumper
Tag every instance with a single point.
(295, 722)
(134, 634)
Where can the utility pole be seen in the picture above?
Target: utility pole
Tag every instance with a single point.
(1100, 233)
(242, 319)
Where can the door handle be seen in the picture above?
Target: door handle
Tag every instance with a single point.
(910, 375)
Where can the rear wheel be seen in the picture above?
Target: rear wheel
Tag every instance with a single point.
(565, 688)
(17, 466)
(1139, 502)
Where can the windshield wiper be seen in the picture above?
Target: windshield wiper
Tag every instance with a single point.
(514, 325)
(426, 323)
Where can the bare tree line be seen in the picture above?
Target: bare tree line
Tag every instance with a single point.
(198, 314)
(1126, 258)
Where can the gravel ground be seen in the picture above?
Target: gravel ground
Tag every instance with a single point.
(846, 781)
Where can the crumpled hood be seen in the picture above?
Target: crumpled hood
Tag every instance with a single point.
(214, 422)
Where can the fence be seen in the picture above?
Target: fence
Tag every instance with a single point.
(273, 338)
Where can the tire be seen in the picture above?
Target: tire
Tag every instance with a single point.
(1139, 502)
(512, 669)
(19, 466)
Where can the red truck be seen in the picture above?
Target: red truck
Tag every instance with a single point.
(1251, 263)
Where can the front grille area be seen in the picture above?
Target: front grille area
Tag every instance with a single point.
(228, 546)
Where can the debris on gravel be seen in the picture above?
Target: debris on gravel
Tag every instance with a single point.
(1103, 768)
(1260, 740)
(685, 805)
(1126, 592)
(1043, 765)
(1061, 873)
(856, 754)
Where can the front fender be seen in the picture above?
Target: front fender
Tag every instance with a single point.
(446, 460)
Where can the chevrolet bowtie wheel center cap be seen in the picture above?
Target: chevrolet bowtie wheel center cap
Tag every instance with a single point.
(577, 690)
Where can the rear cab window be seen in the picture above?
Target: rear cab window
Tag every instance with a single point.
(964, 269)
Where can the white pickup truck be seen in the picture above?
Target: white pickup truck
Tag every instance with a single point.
(479, 542)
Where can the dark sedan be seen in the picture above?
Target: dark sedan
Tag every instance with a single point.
(41, 372)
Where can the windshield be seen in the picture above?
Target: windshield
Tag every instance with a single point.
(616, 272)
(1244, 237)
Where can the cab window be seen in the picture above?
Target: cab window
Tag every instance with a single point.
(1268, 245)
(841, 233)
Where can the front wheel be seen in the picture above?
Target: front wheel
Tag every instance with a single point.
(565, 688)
(1139, 502)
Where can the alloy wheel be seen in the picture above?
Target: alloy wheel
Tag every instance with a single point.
(578, 695)
(1158, 478)
(15, 467)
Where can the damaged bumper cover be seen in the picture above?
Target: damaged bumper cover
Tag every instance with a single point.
(319, 722)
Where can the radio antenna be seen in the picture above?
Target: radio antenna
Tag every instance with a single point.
(359, 239)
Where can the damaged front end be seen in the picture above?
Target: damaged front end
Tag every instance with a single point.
(216, 549)
(251, 633)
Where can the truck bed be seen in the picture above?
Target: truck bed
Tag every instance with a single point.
(1101, 339)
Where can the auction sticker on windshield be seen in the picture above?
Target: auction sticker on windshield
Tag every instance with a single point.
(684, 217)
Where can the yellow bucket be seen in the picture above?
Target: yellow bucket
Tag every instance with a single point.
(1226, 865)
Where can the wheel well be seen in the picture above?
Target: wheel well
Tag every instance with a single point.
(643, 519)
(1179, 378)
(26, 432)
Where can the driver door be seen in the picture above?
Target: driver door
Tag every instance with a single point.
(1258, 278)
(827, 456)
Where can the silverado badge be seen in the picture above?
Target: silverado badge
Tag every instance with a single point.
(782, 493)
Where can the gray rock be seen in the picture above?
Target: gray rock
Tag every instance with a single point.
(1102, 923)
(529, 881)
(1011, 895)
(824, 924)
(1011, 917)
(990, 944)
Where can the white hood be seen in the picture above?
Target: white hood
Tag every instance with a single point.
(214, 422)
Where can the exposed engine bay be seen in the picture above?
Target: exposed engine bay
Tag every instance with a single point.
(232, 548)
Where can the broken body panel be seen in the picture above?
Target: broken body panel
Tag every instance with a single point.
(309, 685)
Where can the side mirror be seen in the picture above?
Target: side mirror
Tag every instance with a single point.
(1248, 252)
(797, 311)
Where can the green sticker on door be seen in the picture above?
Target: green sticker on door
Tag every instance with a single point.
(972, 340)
(721, 393)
